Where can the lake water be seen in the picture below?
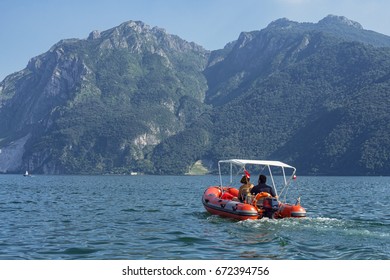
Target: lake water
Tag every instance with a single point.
(162, 217)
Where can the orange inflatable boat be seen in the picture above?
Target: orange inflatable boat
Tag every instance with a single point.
(225, 202)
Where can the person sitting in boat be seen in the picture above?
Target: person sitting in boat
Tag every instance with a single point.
(263, 187)
(246, 188)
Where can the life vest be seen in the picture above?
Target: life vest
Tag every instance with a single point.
(259, 198)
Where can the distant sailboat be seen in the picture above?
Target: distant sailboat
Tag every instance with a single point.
(26, 174)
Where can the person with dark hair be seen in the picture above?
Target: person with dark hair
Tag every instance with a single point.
(245, 188)
(263, 187)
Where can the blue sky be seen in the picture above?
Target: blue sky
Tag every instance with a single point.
(30, 27)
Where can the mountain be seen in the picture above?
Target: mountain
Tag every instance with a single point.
(99, 105)
(307, 94)
(259, 53)
(134, 98)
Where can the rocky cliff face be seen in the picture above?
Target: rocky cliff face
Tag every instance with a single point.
(48, 110)
(29, 98)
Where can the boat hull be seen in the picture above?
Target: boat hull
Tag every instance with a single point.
(291, 211)
(224, 202)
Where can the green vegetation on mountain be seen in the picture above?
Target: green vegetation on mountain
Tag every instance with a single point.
(134, 98)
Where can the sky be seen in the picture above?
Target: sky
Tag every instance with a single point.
(29, 28)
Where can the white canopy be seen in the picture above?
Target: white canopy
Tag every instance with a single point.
(243, 162)
(267, 163)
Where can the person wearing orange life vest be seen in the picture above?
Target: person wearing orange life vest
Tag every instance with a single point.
(246, 188)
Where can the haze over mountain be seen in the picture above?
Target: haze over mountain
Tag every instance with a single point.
(135, 98)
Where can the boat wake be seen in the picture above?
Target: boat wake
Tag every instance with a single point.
(322, 225)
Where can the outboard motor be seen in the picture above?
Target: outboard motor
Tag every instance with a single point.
(270, 206)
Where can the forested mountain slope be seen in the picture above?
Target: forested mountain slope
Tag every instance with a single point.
(134, 98)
